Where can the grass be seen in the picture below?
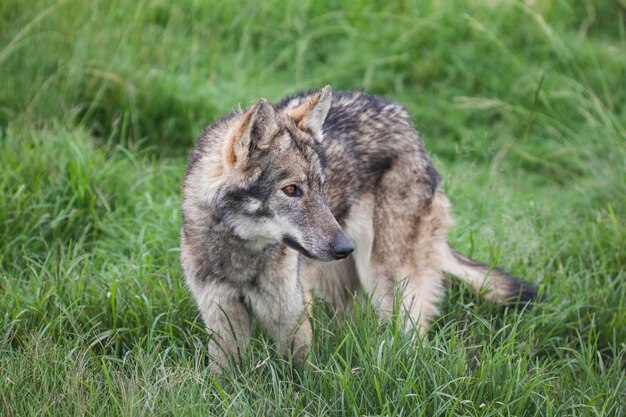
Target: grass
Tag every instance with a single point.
(521, 105)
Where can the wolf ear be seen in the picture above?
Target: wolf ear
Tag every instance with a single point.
(312, 113)
(254, 129)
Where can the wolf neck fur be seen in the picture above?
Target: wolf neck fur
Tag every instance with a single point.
(248, 256)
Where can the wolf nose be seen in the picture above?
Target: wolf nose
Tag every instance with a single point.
(342, 247)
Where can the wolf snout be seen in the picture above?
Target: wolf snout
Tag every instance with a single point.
(341, 247)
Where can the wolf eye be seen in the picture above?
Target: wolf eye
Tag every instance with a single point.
(292, 190)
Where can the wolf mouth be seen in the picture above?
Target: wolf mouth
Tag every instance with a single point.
(293, 244)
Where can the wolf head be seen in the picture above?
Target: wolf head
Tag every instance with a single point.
(271, 179)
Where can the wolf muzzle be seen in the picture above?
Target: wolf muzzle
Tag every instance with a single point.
(339, 248)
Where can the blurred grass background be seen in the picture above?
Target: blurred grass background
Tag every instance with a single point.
(521, 104)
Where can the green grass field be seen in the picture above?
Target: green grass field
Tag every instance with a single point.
(522, 105)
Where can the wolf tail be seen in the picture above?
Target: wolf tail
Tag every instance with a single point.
(495, 284)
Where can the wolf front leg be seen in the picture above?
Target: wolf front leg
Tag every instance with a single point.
(227, 320)
(279, 305)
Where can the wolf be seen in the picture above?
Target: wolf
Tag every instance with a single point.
(321, 195)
